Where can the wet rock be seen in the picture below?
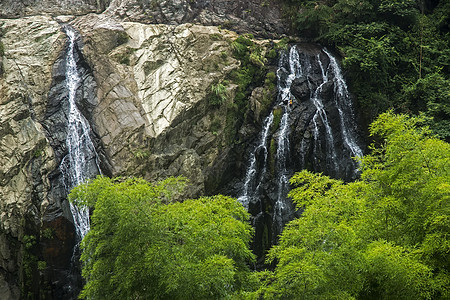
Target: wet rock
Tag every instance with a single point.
(300, 88)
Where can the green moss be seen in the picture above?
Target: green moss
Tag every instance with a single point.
(271, 156)
(224, 55)
(216, 37)
(216, 125)
(150, 66)
(277, 114)
(140, 154)
(41, 265)
(2, 49)
(122, 38)
(218, 94)
(271, 54)
(29, 265)
(125, 57)
(270, 78)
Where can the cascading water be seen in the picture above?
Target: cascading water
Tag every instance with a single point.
(81, 161)
(344, 106)
(283, 207)
(320, 113)
(254, 175)
(342, 103)
(311, 126)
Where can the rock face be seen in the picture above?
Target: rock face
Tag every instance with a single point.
(145, 90)
(261, 17)
(153, 116)
(21, 8)
(25, 154)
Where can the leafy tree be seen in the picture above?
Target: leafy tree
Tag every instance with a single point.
(385, 236)
(143, 246)
(391, 50)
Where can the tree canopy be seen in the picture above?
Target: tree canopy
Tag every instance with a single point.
(143, 246)
(396, 54)
(385, 236)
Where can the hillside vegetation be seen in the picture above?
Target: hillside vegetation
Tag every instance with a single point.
(396, 53)
(385, 236)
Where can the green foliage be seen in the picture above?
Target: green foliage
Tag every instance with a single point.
(271, 54)
(41, 265)
(2, 49)
(250, 74)
(385, 236)
(141, 154)
(431, 95)
(282, 44)
(219, 94)
(389, 49)
(216, 125)
(29, 265)
(143, 246)
(277, 114)
(47, 233)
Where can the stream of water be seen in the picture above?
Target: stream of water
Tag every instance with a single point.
(75, 166)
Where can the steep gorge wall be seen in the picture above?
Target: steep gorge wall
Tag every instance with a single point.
(22, 8)
(146, 88)
(25, 154)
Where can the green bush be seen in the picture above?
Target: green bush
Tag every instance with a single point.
(143, 245)
(218, 94)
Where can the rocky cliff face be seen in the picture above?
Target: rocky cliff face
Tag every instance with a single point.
(147, 73)
(21, 8)
(260, 17)
(147, 68)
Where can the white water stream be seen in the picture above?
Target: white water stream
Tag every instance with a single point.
(324, 136)
(81, 150)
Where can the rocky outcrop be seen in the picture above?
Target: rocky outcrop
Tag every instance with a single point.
(261, 17)
(153, 115)
(146, 91)
(25, 154)
(21, 8)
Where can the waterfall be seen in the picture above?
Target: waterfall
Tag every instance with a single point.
(289, 68)
(320, 113)
(342, 103)
(253, 176)
(344, 106)
(81, 161)
(316, 132)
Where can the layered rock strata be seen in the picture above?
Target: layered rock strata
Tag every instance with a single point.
(145, 89)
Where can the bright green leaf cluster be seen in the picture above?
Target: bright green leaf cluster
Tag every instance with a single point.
(143, 246)
(386, 236)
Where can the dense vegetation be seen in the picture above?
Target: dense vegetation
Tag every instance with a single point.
(396, 52)
(142, 245)
(385, 236)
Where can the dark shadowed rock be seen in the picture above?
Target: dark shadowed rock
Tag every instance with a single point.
(21, 8)
(300, 88)
(261, 17)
